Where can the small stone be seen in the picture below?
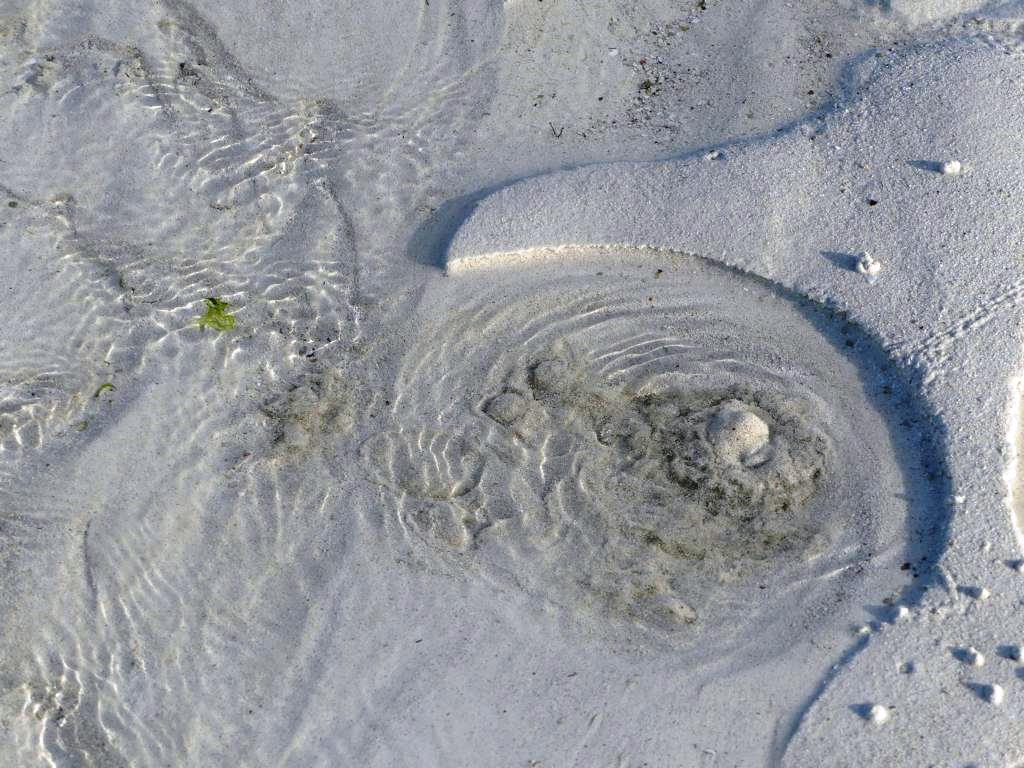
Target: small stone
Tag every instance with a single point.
(974, 657)
(901, 613)
(869, 266)
(951, 168)
(994, 694)
(978, 593)
(1015, 652)
(714, 154)
(878, 714)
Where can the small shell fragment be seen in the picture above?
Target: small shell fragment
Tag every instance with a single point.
(974, 657)
(994, 694)
(869, 266)
(878, 714)
(951, 168)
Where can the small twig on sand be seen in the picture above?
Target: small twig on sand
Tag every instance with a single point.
(557, 134)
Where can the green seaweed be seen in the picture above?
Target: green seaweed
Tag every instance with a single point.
(103, 388)
(217, 315)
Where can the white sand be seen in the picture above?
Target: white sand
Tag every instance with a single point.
(550, 422)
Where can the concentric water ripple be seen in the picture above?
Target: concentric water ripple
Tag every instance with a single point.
(653, 441)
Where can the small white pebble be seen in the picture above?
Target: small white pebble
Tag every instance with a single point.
(863, 629)
(994, 694)
(878, 714)
(1020, 566)
(951, 168)
(974, 657)
(901, 612)
(982, 594)
(986, 546)
(714, 154)
(959, 499)
(869, 266)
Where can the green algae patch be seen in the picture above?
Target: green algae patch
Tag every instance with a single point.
(217, 315)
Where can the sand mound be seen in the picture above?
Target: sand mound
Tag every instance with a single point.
(615, 433)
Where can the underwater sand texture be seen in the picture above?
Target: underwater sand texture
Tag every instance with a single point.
(637, 449)
(277, 490)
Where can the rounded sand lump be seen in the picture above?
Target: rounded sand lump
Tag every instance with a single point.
(737, 433)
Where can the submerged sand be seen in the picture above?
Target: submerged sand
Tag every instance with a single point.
(513, 384)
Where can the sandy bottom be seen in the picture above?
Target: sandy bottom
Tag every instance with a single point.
(467, 383)
(603, 429)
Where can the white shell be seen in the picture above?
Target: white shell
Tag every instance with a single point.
(869, 266)
(994, 694)
(878, 714)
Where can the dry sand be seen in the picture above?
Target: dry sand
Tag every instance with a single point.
(511, 384)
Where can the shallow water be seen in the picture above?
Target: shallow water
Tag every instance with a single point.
(375, 506)
(557, 431)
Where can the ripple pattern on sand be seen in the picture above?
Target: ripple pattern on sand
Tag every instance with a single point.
(643, 437)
